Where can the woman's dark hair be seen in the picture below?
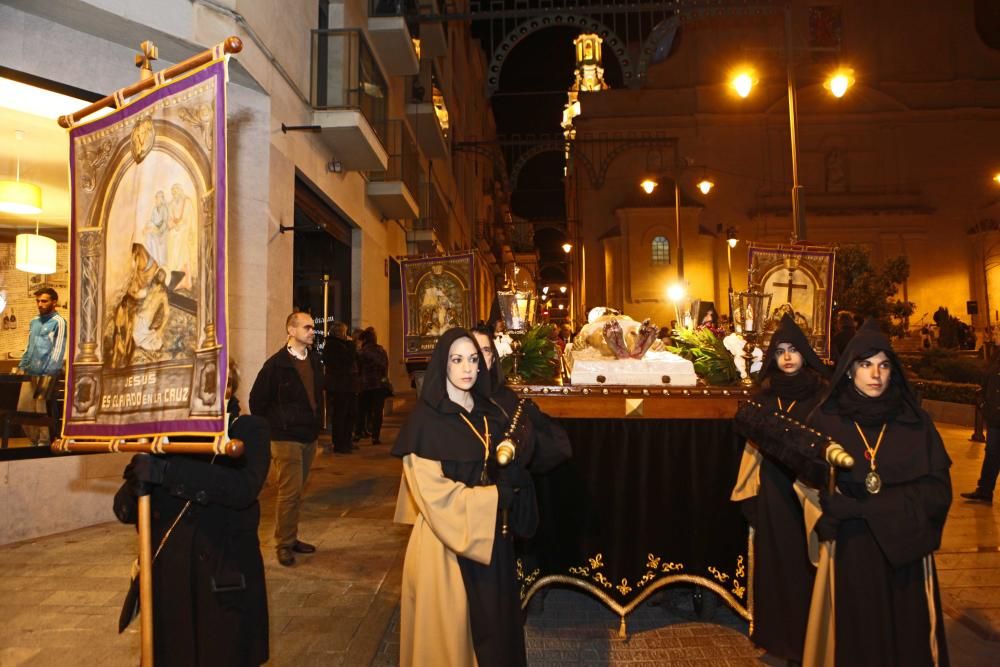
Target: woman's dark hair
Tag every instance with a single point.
(368, 337)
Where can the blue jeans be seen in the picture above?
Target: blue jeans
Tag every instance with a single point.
(991, 462)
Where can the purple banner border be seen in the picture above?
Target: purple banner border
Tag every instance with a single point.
(207, 426)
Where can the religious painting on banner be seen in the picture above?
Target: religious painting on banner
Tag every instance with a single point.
(148, 348)
(799, 279)
(439, 294)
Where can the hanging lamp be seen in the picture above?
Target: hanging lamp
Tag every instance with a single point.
(17, 196)
(34, 253)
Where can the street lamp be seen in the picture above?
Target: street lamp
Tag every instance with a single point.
(567, 247)
(676, 293)
(838, 83)
(705, 185)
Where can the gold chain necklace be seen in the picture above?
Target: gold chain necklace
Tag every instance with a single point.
(485, 439)
(873, 483)
(790, 405)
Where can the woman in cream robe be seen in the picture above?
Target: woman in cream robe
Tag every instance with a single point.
(460, 601)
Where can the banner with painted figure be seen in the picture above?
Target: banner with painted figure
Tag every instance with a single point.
(799, 279)
(438, 294)
(148, 348)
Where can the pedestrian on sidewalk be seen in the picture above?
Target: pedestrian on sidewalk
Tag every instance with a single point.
(460, 601)
(288, 392)
(991, 415)
(373, 363)
(42, 360)
(340, 365)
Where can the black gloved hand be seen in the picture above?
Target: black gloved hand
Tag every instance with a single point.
(506, 495)
(515, 475)
(144, 472)
(841, 507)
(826, 528)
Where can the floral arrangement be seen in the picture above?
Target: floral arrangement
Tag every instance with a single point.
(717, 360)
(539, 361)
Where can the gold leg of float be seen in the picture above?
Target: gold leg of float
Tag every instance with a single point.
(146, 581)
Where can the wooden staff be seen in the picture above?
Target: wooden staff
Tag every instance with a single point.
(145, 582)
(230, 45)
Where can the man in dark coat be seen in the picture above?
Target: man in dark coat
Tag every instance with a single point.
(991, 415)
(288, 392)
(210, 602)
(340, 362)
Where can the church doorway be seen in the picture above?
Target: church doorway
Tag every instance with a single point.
(321, 265)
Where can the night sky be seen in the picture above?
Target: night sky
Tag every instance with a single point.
(533, 84)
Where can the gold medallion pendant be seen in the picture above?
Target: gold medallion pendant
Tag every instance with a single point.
(873, 483)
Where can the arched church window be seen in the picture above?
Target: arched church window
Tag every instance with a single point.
(661, 250)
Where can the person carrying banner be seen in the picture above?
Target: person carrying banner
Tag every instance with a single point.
(43, 360)
(288, 392)
(211, 601)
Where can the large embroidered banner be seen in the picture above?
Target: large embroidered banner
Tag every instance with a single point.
(147, 250)
(439, 294)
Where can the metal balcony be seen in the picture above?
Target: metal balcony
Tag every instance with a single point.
(427, 113)
(395, 190)
(433, 37)
(349, 96)
(391, 37)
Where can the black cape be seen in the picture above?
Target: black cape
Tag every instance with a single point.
(884, 557)
(783, 574)
(436, 431)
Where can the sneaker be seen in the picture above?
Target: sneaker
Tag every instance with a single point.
(286, 557)
(979, 496)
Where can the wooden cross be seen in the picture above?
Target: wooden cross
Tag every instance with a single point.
(791, 285)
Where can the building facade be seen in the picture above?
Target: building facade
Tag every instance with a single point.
(902, 164)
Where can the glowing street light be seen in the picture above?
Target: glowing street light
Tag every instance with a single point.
(705, 186)
(567, 247)
(562, 289)
(743, 82)
(996, 178)
(648, 186)
(840, 81)
(676, 292)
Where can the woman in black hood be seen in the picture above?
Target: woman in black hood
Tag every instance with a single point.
(792, 379)
(884, 520)
(460, 602)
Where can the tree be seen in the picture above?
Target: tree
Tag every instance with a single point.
(869, 291)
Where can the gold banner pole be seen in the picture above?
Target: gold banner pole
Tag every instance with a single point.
(146, 581)
(231, 45)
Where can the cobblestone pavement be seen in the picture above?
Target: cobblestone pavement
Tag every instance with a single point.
(60, 595)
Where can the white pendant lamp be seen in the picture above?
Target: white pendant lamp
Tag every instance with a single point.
(34, 253)
(16, 196)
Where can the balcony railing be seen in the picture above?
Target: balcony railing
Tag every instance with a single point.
(404, 158)
(345, 75)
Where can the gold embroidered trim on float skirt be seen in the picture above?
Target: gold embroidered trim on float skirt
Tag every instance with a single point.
(651, 581)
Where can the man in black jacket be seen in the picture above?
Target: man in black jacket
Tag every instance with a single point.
(288, 392)
(991, 415)
(340, 361)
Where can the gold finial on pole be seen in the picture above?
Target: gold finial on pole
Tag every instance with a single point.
(144, 60)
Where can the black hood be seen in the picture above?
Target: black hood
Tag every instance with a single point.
(869, 341)
(789, 332)
(435, 388)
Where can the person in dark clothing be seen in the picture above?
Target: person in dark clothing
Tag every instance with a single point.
(546, 443)
(846, 329)
(884, 520)
(288, 392)
(460, 602)
(373, 364)
(340, 366)
(210, 602)
(991, 415)
(792, 378)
